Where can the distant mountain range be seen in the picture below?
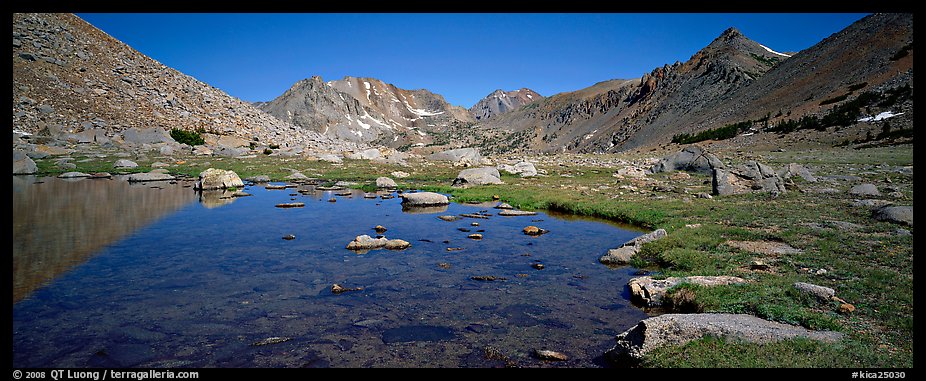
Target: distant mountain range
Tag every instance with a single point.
(68, 75)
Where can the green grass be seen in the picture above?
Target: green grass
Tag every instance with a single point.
(872, 268)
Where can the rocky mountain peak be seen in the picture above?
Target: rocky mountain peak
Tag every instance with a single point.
(500, 101)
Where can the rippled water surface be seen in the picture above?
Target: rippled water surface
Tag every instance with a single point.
(154, 278)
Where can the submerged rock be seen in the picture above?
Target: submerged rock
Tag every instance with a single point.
(337, 289)
(677, 329)
(534, 231)
(545, 354)
(487, 278)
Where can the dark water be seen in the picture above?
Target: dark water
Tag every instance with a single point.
(211, 283)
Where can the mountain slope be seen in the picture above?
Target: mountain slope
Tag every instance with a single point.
(366, 110)
(864, 56)
(71, 76)
(501, 102)
(607, 115)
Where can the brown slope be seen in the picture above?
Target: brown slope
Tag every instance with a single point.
(863, 53)
(70, 75)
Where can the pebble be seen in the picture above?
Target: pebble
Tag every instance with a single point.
(289, 237)
(443, 265)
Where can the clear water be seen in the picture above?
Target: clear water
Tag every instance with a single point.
(205, 284)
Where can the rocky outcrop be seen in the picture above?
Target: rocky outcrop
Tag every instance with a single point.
(421, 199)
(477, 176)
(23, 164)
(692, 158)
(218, 179)
(751, 176)
(650, 291)
(623, 254)
(678, 329)
(896, 214)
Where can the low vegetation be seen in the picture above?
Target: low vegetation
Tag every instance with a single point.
(720, 133)
(192, 138)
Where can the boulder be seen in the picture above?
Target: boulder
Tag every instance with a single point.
(397, 244)
(150, 176)
(461, 155)
(631, 172)
(297, 176)
(22, 164)
(331, 158)
(369, 154)
(385, 182)
(202, 151)
(218, 179)
(795, 169)
(751, 176)
(865, 190)
(124, 163)
(651, 291)
(895, 214)
(167, 150)
(623, 254)
(230, 151)
(423, 199)
(259, 179)
(820, 292)
(678, 329)
(692, 158)
(524, 169)
(477, 176)
(139, 136)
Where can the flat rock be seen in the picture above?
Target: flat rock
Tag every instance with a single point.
(865, 190)
(449, 218)
(651, 291)
(218, 179)
(871, 203)
(73, 175)
(424, 199)
(512, 212)
(124, 163)
(397, 244)
(337, 289)
(677, 329)
(270, 341)
(896, 214)
(259, 179)
(622, 255)
(150, 176)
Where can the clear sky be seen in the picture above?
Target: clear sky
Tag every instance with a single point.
(463, 57)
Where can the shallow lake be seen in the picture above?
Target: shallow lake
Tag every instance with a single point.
(108, 274)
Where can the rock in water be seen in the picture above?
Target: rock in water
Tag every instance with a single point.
(290, 205)
(677, 329)
(385, 182)
(397, 244)
(289, 237)
(218, 179)
(623, 254)
(895, 214)
(545, 354)
(365, 242)
(379, 229)
(23, 164)
(534, 231)
(513, 213)
(337, 289)
(474, 236)
(423, 199)
(73, 175)
(150, 176)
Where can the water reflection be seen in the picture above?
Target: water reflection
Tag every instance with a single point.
(58, 223)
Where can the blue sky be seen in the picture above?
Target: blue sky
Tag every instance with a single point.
(463, 57)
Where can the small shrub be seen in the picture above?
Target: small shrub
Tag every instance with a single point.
(267, 151)
(721, 133)
(274, 146)
(192, 138)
